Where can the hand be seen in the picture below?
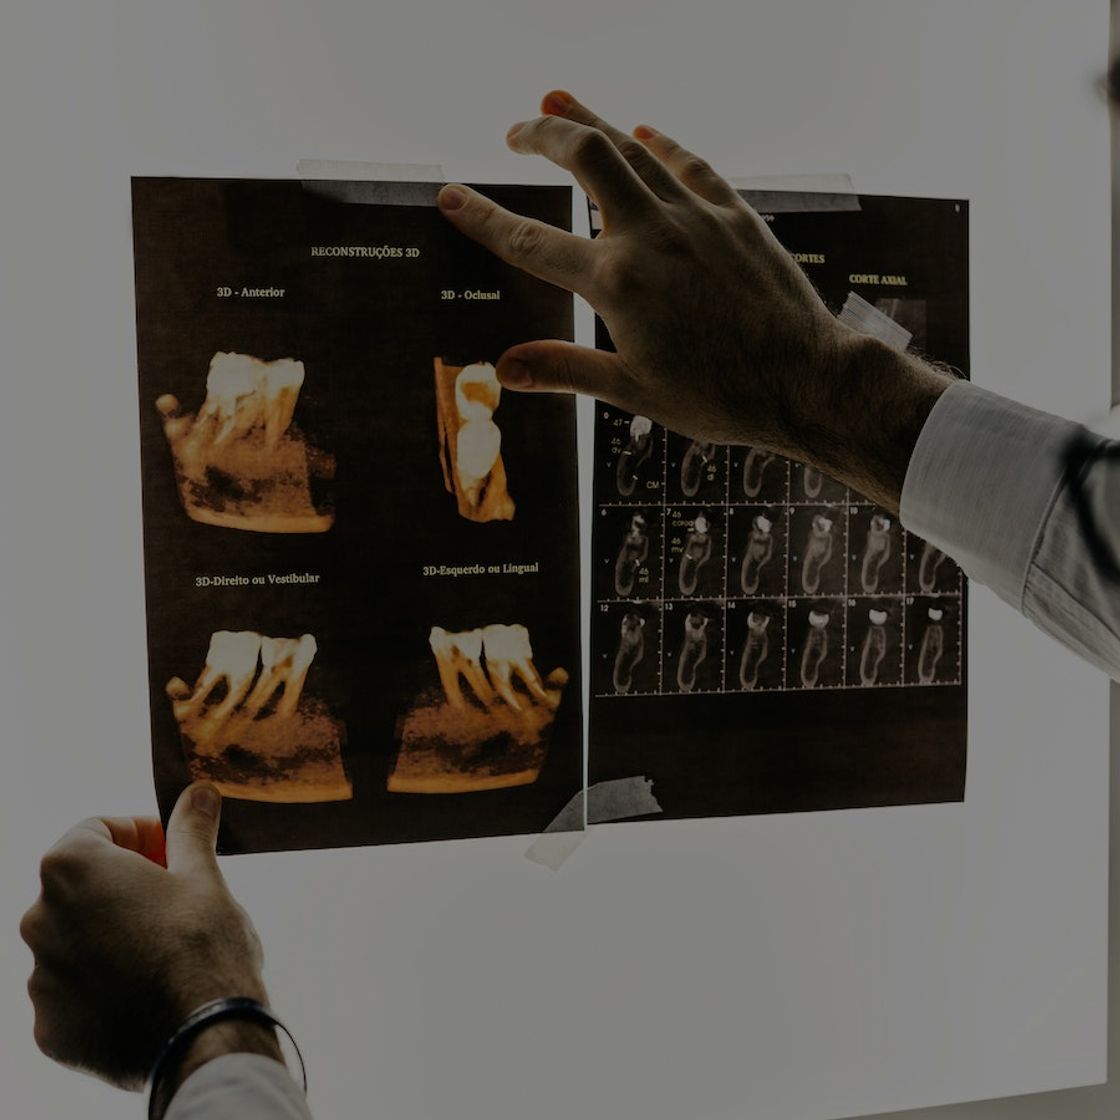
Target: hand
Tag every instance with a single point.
(719, 335)
(131, 933)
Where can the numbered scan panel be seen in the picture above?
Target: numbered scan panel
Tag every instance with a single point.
(763, 638)
(361, 555)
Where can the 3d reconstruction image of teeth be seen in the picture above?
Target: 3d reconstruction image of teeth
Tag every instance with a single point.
(874, 648)
(756, 649)
(634, 454)
(816, 648)
(488, 725)
(631, 556)
(876, 551)
(932, 647)
(932, 559)
(247, 726)
(241, 463)
(818, 552)
(694, 649)
(754, 471)
(759, 550)
(631, 650)
(696, 458)
(470, 443)
(697, 552)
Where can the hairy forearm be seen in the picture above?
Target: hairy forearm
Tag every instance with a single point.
(862, 421)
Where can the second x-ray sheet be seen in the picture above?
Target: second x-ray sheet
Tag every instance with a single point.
(763, 638)
(361, 555)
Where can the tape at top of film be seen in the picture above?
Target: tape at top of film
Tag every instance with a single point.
(372, 184)
(614, 800)
(785, 194)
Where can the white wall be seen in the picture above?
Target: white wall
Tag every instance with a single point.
(790, 967)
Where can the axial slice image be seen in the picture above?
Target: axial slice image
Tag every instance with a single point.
(759, 550)
(876, 552)
(697, 552)
(637, 450)
(470, 442)
(694, 649)
(631, 556)
(756, 649)
(488, 724)
(241, 462)
(247, 726)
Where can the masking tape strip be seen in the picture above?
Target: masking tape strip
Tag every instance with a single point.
(372, 184)
(618, 799)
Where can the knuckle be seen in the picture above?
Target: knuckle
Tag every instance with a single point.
(633, 152)
(525, 239)
(695, 167)
(56, 866)
(31, 927)
(589, 144)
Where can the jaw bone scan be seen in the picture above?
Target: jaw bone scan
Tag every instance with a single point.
(470, 443)
(241, 463)
(818, 552)
(760, 548)
(932, 647)
(756, 649)
(696, 458)
(697, 552)
(932, 559)
(874, 648)
(634, 454)
(489, 734)
(248, 728)
(631, 556)
(876, 552)
(754, 471)
(694, 649)
(816, 648)
(631, 650)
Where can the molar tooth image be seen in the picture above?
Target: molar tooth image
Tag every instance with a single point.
(241, 462)
(932, 559)
(634, 454)
(874, 648)
(247, 726)
(697, 552)
(818, 551)
(631, 556)
(693, 650)
(756, 649)
(696, 458)
(631, 650)
(470, 442)
(932, 647)
(492, 735)
(816, 648)
(811, 482)
(754, 471)
(876, 551)
(760, 548)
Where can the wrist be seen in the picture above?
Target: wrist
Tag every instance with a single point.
(864, 415)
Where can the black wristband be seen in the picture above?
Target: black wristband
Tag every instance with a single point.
(216, 1011)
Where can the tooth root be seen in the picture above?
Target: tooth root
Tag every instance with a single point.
(284, 665)
(232, 657)
(459, 655)
(508, 650)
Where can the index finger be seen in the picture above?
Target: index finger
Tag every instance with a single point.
(550, 254)
(143, 835)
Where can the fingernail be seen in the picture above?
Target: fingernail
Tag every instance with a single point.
(516, 375)
(557, 102)
(514, 129)
(451, 198)
(206, 799)
(644, 132)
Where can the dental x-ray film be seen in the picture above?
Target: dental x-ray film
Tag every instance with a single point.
(361, 555)
(763, 639)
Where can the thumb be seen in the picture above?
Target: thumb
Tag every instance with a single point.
(552, 366)
(192, 831)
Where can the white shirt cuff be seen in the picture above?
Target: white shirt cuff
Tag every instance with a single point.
(239, 1087)
(982, 479)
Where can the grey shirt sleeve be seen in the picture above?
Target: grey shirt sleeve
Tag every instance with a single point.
(987, 484)
(239, 1087)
